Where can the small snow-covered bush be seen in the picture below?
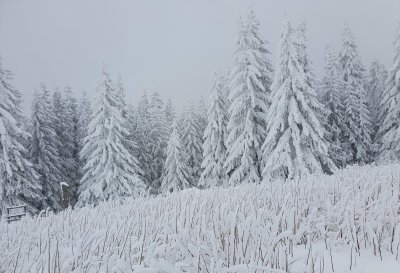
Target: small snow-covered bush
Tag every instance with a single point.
(248, 228)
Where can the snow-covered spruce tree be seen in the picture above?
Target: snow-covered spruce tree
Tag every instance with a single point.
(175, 173)
(65, 112)
(58, 117)
(158, 139)
(44, 149)
(249, 100)
(192, 141)
(202, 121)
(71, 154)
(301, 43)
(170, 113)
(84, 117)
(131, 125)
(376, 85)
(331, 87)
(19, 182)
(295, 144)
(120, 92)
(305, 61)
(389, 132)
(129, 117)
(110, 171)
(355, 101)
(201, 116)
(214, 149)
(84, 110)
(142, 138)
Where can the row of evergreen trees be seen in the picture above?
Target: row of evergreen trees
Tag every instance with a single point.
(102, 150)
(259, 125)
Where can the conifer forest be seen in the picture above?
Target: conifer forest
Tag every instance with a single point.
(279, 167)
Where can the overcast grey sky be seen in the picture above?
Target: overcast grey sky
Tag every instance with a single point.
(172, 46)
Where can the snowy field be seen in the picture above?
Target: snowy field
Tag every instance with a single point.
(349, 222)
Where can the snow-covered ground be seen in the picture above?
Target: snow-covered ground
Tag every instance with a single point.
(349, 222)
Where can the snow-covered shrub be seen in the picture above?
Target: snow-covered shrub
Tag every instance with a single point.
(272, 227)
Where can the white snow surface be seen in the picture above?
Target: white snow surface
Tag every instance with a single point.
(348, 222)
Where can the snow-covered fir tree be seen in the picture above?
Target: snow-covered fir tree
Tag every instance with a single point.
(201, 116)
(202, 121)
(132, 124)
(389, 132)
(26, 125)
(110, 171)
(84, 117)
(142, 138)
(129, 116)
(84, 110)
(175, 174)
(376, 85)
(332, 98)
(355, 101)
(170, 113)
(305, 61)
(44, 147)
(249, 100)
(58, 117)
(295, 144)
(70, 154)
(65, 112)
(121, 97)
(19, 183)
(301, 43)
(214, 148)
(158, 133)
(262, 77)
(331, 87)
(192, 140)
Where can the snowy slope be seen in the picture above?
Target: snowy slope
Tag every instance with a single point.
(321, 224)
